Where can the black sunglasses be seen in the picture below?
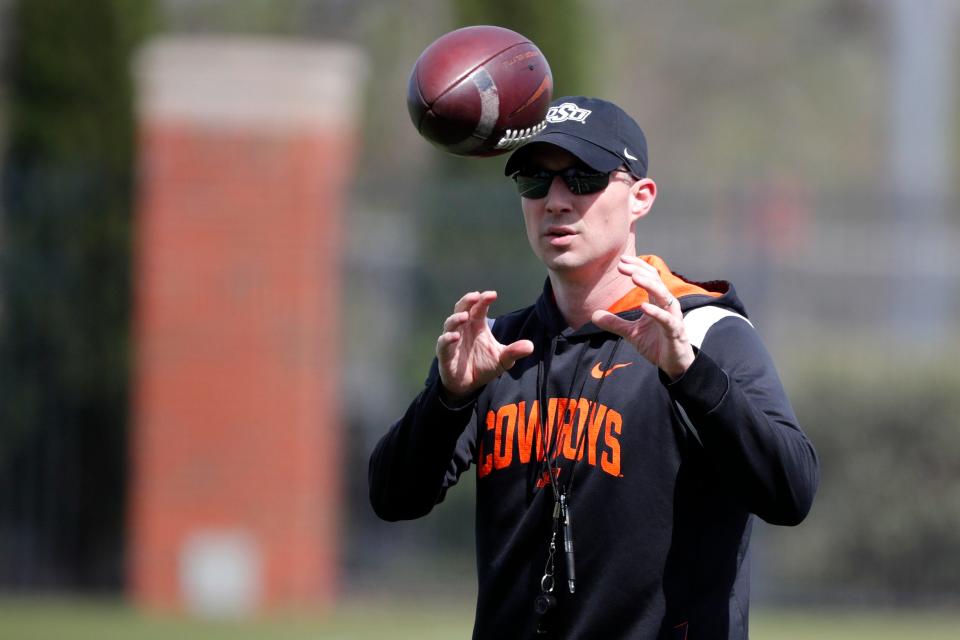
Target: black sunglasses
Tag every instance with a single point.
(535, 184)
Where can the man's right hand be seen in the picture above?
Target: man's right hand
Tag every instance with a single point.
(468, 355)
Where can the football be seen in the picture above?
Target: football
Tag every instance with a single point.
(480, 91)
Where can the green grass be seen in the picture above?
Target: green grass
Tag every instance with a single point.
(55, 619)
(45, 619)
(872, 625)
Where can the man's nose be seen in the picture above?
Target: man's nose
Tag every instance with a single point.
(558, 196)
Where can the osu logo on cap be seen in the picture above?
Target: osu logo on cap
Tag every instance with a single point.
(567, 111)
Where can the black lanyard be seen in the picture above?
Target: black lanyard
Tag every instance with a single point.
(545, 601)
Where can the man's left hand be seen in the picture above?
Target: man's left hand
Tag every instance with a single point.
(659, 334)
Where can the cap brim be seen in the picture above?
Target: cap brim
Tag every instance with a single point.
(595, 157)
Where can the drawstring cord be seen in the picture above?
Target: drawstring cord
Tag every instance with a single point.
(551, 443)
(545, 602)
(586, 426)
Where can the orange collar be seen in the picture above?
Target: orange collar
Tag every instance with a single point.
(677, 286)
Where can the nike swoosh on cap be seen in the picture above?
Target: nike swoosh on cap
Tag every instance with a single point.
(626, 153)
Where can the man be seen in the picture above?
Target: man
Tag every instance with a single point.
(625, 428)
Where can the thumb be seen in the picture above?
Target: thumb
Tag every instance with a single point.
(612, 323)
(513, 352)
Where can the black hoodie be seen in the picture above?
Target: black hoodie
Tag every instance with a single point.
(662, 477)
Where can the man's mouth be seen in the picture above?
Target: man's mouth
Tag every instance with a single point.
(558, 231)
(560, 236)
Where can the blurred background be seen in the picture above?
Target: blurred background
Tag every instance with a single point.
(225, 254)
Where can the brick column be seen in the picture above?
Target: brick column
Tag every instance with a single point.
(246, 150)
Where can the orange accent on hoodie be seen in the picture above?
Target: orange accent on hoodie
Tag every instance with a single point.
(677, 286)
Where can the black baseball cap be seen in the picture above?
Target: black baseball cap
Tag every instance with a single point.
(598, 132)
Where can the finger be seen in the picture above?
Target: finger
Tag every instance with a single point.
(515, 351)
(672, 306)
(612, 323)
(448, 338)
(639, 264)
(445, 343)
(659, 296)
(638, 261)
(661, 315)
(629, 268)
(632, 270)
(626, 257)
(455, 320)
(466, 301)
(656, 290)
(482, 305)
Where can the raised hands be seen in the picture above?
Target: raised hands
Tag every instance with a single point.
(658, 334)
(468, 354)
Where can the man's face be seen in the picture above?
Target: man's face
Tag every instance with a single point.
(578, 235)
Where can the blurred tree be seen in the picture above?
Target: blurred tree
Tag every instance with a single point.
(67, 191)
(884, 524)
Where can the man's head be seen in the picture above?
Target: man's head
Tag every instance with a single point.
(583, 185)
(598, 132)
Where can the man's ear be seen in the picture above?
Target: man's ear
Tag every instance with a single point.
(643, 192)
